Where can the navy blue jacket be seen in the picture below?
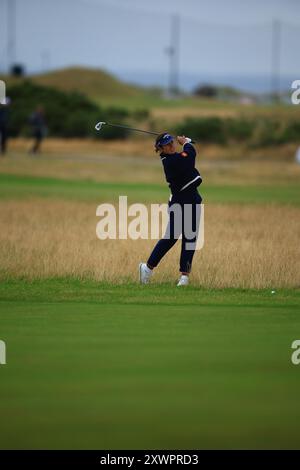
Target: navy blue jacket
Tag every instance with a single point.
(180, 169)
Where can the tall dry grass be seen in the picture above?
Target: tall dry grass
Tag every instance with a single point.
(209, 108)
(139, 146)
(245, 246)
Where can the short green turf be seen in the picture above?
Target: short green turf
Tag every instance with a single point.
(94, 365)
(15, 186)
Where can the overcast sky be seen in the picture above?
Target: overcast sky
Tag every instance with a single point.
(219, 38)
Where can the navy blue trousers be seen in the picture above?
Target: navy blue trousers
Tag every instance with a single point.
(184, 219)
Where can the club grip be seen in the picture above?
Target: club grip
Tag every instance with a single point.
(190, 141)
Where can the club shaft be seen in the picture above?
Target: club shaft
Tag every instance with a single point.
(134, 129)
(131, 128)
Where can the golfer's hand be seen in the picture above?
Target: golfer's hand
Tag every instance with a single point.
(181, 139)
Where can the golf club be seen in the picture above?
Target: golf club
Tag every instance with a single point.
(99, 125)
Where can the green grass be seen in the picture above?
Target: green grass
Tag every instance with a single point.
(93, 82)
(103, 366)
(106, 89)
(96, 365)
(14, 187)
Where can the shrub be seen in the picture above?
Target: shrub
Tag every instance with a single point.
(67, 114)
(291, 133)
(239, 129)
(263, 131)
(204, 129)
(206, 91)
(268, 132)
(140, 114)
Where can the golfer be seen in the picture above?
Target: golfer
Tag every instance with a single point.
(184, 206)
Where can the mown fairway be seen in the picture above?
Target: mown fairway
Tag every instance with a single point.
(96, 361)
(15, 186)
(93, 365)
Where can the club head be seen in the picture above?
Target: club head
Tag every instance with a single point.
(99, 125)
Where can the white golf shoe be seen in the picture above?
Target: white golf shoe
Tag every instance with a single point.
(183, 281)
(144, 273)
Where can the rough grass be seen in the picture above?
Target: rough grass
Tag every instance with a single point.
(135, 161)
(48, 219)
(245, 246)
(139, 147)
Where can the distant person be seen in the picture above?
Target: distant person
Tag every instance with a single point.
(37, 121)
(4, 118)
